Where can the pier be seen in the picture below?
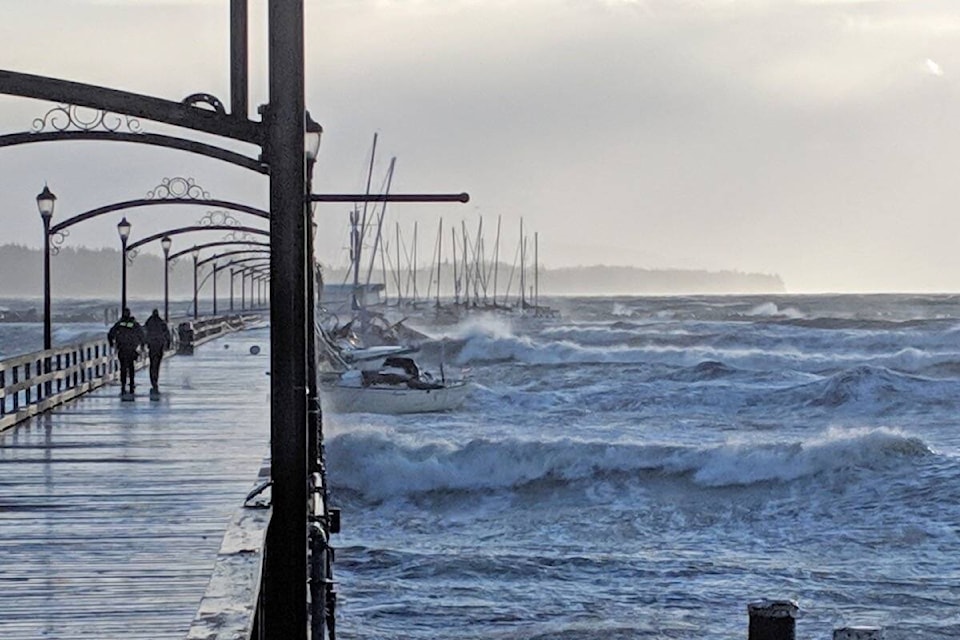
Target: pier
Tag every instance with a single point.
(117, 518)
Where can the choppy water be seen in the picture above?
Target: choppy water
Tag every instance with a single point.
(643, 468)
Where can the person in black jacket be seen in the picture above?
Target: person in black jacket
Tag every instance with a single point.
(126, 336)
(158, 339)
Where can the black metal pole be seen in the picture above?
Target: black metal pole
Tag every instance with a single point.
(285, 584)
(314, 438)
(196, 312)
(166, 285)
(232, 273)
(47, 320)
(214, 288)
(243, 289)
(238, 58)
(123, 276)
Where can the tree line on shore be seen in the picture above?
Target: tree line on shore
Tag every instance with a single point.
(84, 272)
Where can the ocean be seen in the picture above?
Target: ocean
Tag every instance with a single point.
(646, 467)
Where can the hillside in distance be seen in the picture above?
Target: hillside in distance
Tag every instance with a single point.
(95, 273)
(592, 280)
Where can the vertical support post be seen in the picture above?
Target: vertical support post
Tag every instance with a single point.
(166, 286)
(238, 58)
(232, 274)
(47, 320)
(214, 288)
(772, 620)
(123, 274)
(285, 584)
(196, 311)
(314, 422)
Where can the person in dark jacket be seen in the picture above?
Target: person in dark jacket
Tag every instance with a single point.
(126, 336)
(158, 340)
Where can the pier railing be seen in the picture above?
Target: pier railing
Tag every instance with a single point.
(35, 382)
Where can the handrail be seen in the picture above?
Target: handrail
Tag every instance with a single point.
(35, 382)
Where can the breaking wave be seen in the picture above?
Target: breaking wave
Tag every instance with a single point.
(379, 467)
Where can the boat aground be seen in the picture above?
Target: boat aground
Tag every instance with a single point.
(398, 386)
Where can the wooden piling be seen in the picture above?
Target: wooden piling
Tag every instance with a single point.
(772, 620)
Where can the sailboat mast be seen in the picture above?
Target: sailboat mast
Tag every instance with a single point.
(523, 257)
(456, 280)
(466, 264)
(496, 260)
(399, 283)
(363, 229)
(536, 269)
(415, 292)
(383, 214)
(439, 249)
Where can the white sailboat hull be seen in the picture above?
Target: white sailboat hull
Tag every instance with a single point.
(392, 400)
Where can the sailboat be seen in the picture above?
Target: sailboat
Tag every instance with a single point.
(383, 379)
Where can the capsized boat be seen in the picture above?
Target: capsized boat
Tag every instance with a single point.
(398, 386)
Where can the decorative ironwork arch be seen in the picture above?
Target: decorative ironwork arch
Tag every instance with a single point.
(182, 230)
(261, 261)
(150, 139)
(133, 204)
(218, 243)
(233, 253)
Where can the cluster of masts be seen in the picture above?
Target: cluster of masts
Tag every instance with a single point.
(465, 276)
(472, 280)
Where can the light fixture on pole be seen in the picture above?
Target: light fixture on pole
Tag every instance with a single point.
(311, 138)
(196, 256)
(45, 203)
(123, 229)
(166, 243)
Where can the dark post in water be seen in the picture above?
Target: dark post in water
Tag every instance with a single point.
(772, 620)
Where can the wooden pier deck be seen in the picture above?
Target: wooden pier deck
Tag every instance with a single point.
(111, 513)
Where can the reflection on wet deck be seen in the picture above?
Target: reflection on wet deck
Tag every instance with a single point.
(111, 513)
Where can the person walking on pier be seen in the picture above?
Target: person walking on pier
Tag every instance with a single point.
(158, 340)
(126, 336)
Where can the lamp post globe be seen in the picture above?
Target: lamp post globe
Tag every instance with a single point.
(123, 229)
(45, 204)
(46, 200)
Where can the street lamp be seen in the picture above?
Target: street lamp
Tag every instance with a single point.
(166, 243)
(123, 228)
(45, 203)
(196, 256)
(311, 140)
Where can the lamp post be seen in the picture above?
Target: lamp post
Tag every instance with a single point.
(45, 203)
(196, 256)
(311, 147)
(166, 243)
(123, 229)
(214, 287)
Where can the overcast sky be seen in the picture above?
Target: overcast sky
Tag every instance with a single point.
(815, 139)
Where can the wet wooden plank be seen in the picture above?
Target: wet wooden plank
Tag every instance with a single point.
(112, 513)
(229, 605)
